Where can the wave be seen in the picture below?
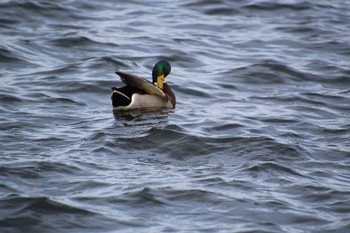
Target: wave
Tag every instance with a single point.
(7, 56)
(44, 214)
(193, 145)
(273, 6)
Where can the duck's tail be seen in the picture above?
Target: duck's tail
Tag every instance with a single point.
(121, 96)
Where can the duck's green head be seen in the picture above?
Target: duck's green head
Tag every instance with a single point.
(160, 71)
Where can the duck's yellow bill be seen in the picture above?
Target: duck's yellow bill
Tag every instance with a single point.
(160, 81)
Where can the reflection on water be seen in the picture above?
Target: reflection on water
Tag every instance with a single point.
(142, 117)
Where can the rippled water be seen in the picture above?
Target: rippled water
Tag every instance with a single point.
(259, 141)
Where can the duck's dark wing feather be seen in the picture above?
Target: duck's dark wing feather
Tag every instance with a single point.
(140, 84)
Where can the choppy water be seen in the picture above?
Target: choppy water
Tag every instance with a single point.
(259, 141)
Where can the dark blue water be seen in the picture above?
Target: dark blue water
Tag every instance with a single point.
(259, 141)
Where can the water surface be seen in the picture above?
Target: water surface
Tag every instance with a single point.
(259, 141)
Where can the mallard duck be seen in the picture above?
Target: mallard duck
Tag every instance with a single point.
(140, 93)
